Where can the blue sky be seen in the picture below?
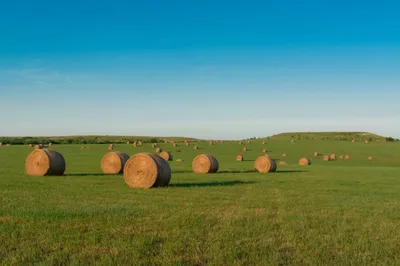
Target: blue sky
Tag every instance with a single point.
(210, 69)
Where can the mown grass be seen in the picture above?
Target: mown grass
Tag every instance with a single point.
(328, 213)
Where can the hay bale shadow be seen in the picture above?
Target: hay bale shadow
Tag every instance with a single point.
(90, 174)
(212, 184)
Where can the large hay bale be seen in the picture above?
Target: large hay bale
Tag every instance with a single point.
(332, 156)
(366, 142)
(145, 170)
(45, 163)
(326, 158)
(265, 164)
(353, 140)
(304, 161)
(158, 150)
(292, 140)
(113, 162)
(140, 143)
(166, 156)
(239, 158)
(204, 163)
(134, 144)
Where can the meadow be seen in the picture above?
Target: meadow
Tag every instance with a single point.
(338, 212)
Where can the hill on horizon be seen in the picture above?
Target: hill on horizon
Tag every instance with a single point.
(328, 135)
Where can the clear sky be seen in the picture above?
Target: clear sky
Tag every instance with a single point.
(211, 69)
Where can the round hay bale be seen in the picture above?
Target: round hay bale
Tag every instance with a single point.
(195, 148)
(179, 160)
(29, 145)
(240, 142)
(284, 155)
(113, 162)
(264, 150)
(145, 170)
(263, 142)
(166, 156)
(8, 145)
(187, 143)
(353, 140)
(45, 163)
(50, 144)
(249, 142)
(370, 158)
(174, 145)
(282, 163)
(134, 144)
(326, 158)
(366, 142)
(332, 156)
(316, 154)
(128, 142)
(239, 158)
(341, 157)
(292, 140)
(140, 143)
(38, 147)
(264, 164)
(304, 161)
(153, 145)
(346, 157)
(244, 149)
(158, 150)
(204, 163)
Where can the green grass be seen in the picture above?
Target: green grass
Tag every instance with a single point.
(328, 213)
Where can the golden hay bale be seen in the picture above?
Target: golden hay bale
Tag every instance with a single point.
(240, 142)
(282, 162)
(38, 147)
(8, 144)
(341, 157)
(265, 164)
(45, 163)
(292, 140)
(153, 145)
(140, 143)
(264, 150)
(284, 155)
(50, 144)
(166, 156)
(113, 162)
(204, 163)
(195, 148)
(304, 161)
(244, 149)
(239, 158)
(158, 150)
(316, 154)
(128, 142)
(332, 156)
(134, 144)
(353, 140)
(187, 143)
(326, 158)
(370, 158)
(366, 142)
(110, 148)
(263, 142)
(249, 142)
(174, 145)
(179, 160)
(145, 170)
(29, 145)
(346, 157)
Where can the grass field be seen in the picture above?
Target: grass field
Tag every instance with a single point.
(329, 213)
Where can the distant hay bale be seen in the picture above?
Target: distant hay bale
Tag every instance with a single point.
(128, 142)
(249, 142)
(204, 164)
(370, 158)
(38, 147)
(366, 142)
(284, 155)
(165, 141)
(263, 142)
(153, 145)
(187, 144)
(145, 170)
(240, 142)
(195, 148)
(316, 154)
(264, 150)
(111, 147)
(179, 160)
(332, 156)
(211, 142)
(244, 149)
(265, 164)
(166, 156)
(292, 140)
(134, 144)
(239, 158)
(113, 162)
(282, 163)
(304, 161)
(174, 145)
(341, 157)
(346, 157)
(158, 150)
(140, 143)
(45, 163)
(8, 144)
(326, 158)
(29, 145)
(50, 144)
(353, 140)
